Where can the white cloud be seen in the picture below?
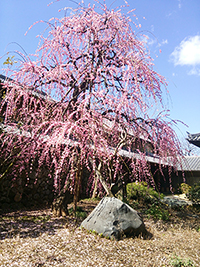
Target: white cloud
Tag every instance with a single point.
(164, 42)
(194, 71)
(151, 41)
(188, 52)
(179, 4)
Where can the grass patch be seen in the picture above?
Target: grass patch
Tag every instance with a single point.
(178, 262)
(35, 219)
(80, 213)
(26, 218)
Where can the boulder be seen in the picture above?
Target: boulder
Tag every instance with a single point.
(114, 219)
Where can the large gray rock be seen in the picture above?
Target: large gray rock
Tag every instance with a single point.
(114, 219)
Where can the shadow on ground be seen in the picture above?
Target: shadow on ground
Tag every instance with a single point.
(31, 222)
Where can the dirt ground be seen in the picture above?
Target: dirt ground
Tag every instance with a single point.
(35, 238)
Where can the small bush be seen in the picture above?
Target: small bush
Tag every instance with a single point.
(141, 191)
(178, 262)
(185, 188)
(194, 193)
(157, 212)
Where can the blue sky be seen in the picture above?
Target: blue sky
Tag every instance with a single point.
(172, 26)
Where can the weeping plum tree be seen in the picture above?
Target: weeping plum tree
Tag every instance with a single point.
(83, 98)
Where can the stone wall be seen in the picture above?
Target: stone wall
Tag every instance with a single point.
(34, 192)
(31, 192)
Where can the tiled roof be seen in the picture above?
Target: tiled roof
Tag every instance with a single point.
(2, 77)
(34, 92)
(194, 139)
(190, 163)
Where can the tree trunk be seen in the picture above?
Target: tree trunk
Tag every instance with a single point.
(59, 205)
(101, 179)
(77, 186)
(103, 182)
(95, 187)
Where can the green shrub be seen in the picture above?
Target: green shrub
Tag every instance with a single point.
(194, 193)
(141, 191)
(158, 212)
(185, 188)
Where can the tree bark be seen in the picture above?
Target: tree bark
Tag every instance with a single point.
(95, 187)
(77, 186)
(59, 205)
(101, 179)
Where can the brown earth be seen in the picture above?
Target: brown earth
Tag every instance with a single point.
(35, 238)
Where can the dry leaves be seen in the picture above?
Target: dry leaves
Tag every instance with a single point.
(35, 238)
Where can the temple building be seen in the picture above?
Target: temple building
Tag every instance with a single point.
(194, 139)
